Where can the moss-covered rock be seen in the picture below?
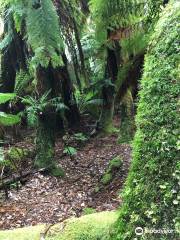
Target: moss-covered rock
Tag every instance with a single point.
(151, 194)
(89, 227)
(114, 165)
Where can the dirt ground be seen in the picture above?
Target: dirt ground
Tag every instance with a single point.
(47, 199)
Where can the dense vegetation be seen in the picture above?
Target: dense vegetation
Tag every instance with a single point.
(151, 193)
(86, 70)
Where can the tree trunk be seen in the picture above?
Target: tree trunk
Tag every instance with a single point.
(108, 91)
(80, 50)
(45, 138)
(64, 87)
(127, 126)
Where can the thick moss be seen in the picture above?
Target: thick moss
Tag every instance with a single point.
(150, 196)
(89, 227)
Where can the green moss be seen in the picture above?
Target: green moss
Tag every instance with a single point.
(106, 119)
(107, 178)
(87, 211)
(150, 198)
(57, 172)
(97, 189)
(28, 233)
(89, 227)
(16, 157)
(115, 163)
(16, 153)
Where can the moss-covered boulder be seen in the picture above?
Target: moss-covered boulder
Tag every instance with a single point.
(150, 197)
(90, 227)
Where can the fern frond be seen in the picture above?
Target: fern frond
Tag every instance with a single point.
(122, 15)
(5, 97)
(8, 119)
(22, 81)
(43, 32)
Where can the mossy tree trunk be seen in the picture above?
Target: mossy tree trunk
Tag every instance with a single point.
(150, 197)
(107, 112)
(108, 90)
(58, 81)
(64, 88)
(45, 137)
(127, 125)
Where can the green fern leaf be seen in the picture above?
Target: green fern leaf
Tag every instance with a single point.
(44, 34)
(8, 119)
(5, 97)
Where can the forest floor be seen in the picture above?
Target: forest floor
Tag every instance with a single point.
(47, 199)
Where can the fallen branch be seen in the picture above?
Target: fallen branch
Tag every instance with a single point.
(16, 177)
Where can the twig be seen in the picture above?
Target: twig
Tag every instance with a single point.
(44, 234)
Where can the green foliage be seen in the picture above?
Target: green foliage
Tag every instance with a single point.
(17, 153)
(5, 97)
(71, 151)
(85, 100)
(136, 44)
(115, 163)
(37, 106)
(43, 32)
(87, 211)
(14, 159)
(9, 35)
(151, 194)
(5, 42)
(22, 81)
(116, 14)
(80, 137)
(8, 119)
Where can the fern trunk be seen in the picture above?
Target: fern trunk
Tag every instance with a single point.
(45, 138)
(108, 91)
(64, 87)
(127, 126)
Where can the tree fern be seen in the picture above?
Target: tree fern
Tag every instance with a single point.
(43, 32)
(122, 14)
